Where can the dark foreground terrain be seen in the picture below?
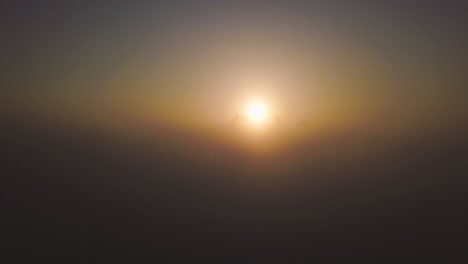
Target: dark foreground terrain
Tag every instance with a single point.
(86, 195)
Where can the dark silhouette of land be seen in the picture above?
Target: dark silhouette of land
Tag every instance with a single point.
(69, 190)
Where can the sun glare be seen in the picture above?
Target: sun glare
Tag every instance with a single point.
(257, 112)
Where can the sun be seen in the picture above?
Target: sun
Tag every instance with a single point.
(257, 112)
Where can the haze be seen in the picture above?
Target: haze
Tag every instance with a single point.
(130, 126)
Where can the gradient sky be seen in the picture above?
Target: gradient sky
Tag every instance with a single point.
(201, 61)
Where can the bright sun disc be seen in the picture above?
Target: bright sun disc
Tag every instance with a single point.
(257, 112)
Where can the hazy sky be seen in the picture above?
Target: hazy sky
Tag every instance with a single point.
(206, 59)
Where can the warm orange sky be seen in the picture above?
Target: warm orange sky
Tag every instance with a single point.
(202, 63)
